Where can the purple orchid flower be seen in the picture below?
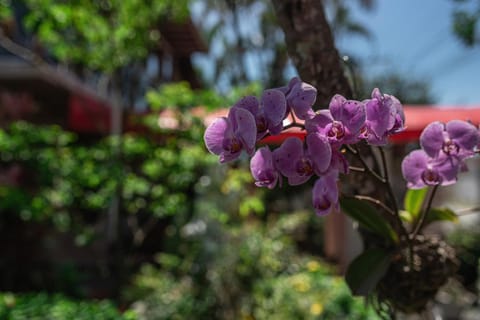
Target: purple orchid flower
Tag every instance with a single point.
(291, 161)
(338, 163)
(384, 116)
(228, 136)
(297, 163)
(478, 144)
(275, 109)
(341, 124)
(263, 169)
(325, 194)
(421, 170)
(458, 138)
(301, 98)
(269, 114)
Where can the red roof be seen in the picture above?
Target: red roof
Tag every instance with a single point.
(416, 119)
(87, 115)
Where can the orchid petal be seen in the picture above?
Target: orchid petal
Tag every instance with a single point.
(463, 133)
(432, 138)
(214, 135)
(286, 156)
(413, 166)
(262, 168)
(301, 99)
(319, 151)
(245, 128)
(274, 105)
(325, 194)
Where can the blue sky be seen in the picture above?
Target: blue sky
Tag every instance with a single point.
(414, 37)
(410, 37)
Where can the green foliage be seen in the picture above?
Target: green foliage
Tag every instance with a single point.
(5, 10)
(368, 217)
(464, 27)
(180, 95)
(65, 181)
(252, 271)
(41, 306)
(466, 241)
(465, 18)
(413, 201)
(103, 35)
(366, 270)
(440, 214)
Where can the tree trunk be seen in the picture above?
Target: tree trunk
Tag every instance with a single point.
(311, 47)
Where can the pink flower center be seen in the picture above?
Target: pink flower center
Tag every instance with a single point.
(233, 146)
(450, 147)
(431, 177)
(323, 203)
(304, 167)
(261, 124)
(337, 130)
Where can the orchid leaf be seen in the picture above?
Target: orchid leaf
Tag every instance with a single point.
(406, 216)
(413, 202)
(440, 214)
(368, 217)
(366, 270)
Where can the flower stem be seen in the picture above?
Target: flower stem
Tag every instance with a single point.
(393, 200)
(375, 201)
(367, 168)
(387, 181)
(423, 217)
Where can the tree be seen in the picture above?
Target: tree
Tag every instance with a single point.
(248, 43)
(464, 22)
(311, 47)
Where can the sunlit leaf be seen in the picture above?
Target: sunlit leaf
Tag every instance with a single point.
(413, 202)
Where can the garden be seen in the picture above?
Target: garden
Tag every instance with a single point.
(175, 190)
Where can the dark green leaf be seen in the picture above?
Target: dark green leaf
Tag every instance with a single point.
(440, 214)
(368, 217)
(366, 270)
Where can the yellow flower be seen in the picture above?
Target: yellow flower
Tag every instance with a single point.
(316, 309)
(313, 266)
(300, 283)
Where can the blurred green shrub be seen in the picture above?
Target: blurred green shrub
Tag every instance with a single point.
(466, 241)
(41, 306)
(252, 271)
(180, 95)
(69, 183)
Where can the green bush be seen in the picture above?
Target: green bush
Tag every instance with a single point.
(466, 241)
(41, 306)
(252, 271)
